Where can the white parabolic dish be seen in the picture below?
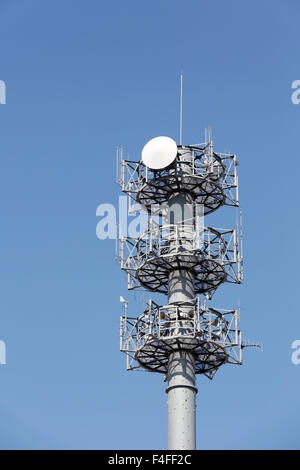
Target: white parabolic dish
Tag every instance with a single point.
(159, 152)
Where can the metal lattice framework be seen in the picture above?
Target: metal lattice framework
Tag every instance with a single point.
(211, 335)
(211, 179)
(213, 256)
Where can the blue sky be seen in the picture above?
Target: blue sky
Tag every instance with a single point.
(83, 77)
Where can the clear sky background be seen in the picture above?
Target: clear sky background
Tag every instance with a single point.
(82, 77)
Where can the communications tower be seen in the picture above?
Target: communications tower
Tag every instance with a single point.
(187, 260)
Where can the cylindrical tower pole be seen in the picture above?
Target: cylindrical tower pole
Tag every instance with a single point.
(181, 388)
(181, 401)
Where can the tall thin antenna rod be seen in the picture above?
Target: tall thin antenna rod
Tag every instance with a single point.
(181, 87)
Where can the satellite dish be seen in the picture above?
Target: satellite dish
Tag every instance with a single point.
(159, 152)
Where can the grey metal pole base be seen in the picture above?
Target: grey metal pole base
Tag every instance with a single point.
(181, 392)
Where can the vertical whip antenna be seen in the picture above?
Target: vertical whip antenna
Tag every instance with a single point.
(180, 119)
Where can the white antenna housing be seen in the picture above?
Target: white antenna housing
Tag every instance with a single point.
(159, 152)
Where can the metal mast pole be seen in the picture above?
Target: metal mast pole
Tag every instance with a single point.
(181, 401)
(180, 119)
(181, 388)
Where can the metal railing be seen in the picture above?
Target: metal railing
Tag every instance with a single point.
(181, 322)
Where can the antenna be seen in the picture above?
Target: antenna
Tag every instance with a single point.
(180, 119)
(208, 135)
(119, 159)
(159, 152)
